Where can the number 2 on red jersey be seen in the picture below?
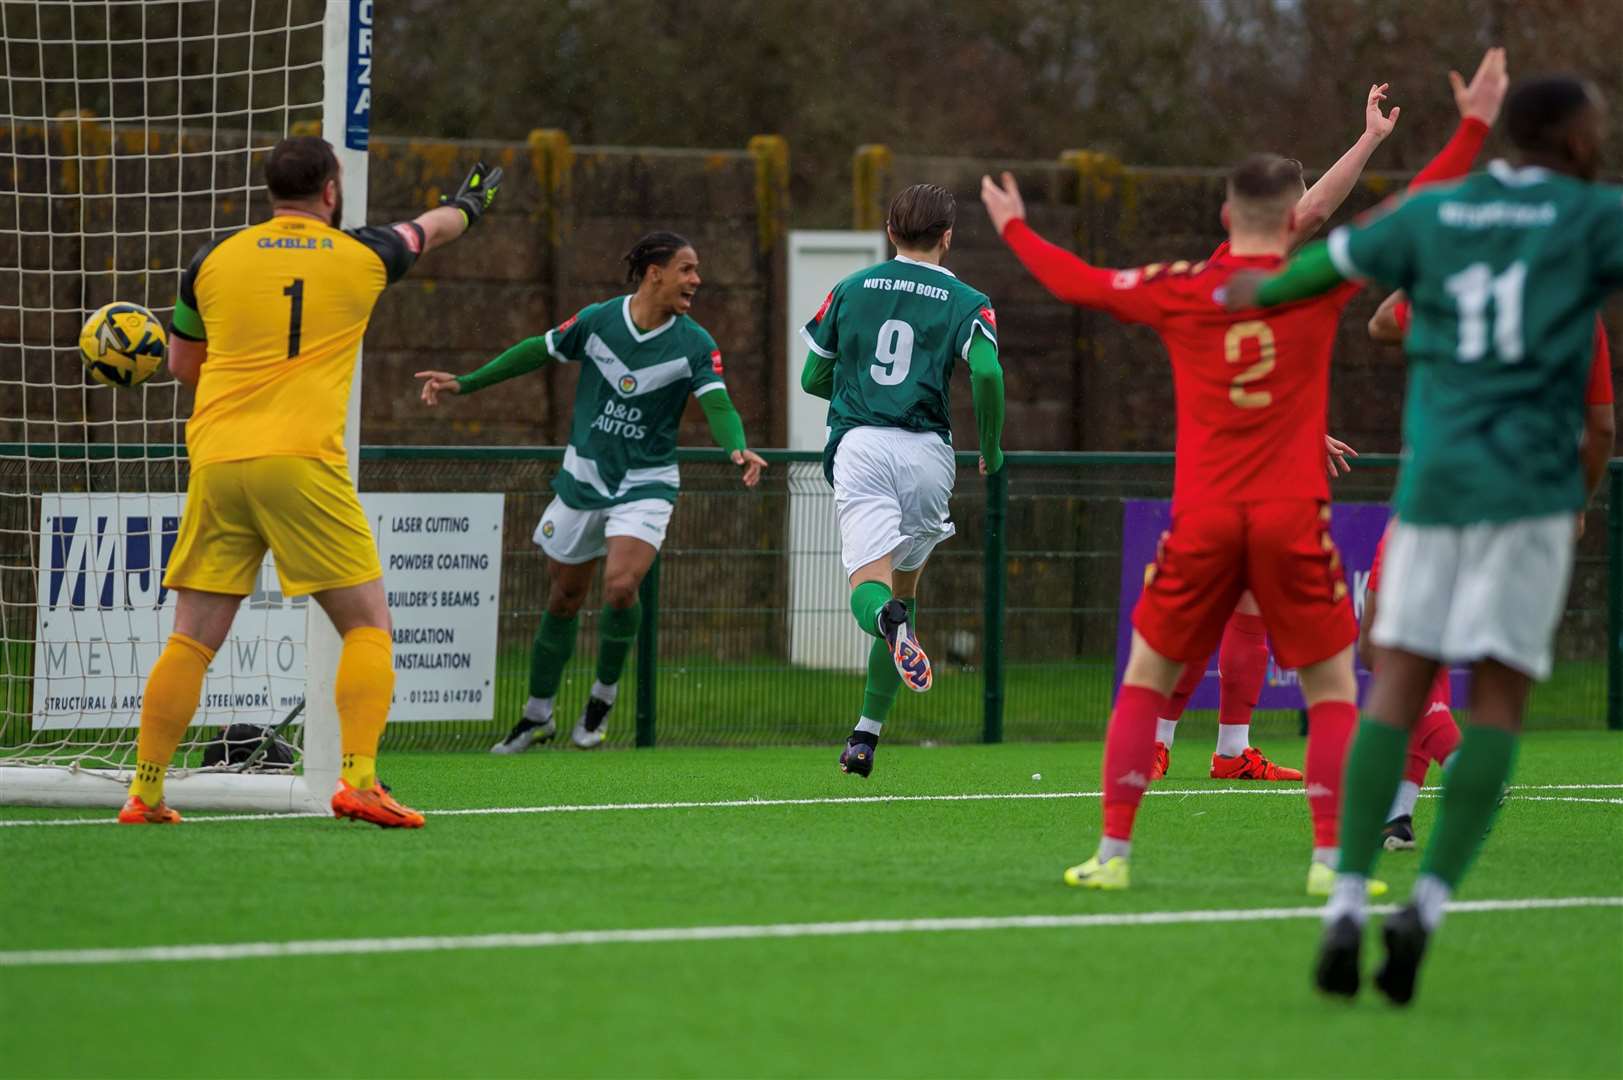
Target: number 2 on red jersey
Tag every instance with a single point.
(1234, 351)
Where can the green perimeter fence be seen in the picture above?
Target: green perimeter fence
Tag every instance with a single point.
(747, 638)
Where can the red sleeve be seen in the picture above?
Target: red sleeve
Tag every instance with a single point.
(1456, 158)
(1600, 370)
(1119, 292)
(1400, 315)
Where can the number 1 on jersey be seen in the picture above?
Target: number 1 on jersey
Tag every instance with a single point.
(1472, 289)
(295, 320)
(893, 353)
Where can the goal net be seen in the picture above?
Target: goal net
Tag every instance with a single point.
(135, 130)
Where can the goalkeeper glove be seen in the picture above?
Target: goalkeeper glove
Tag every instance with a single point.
(476, 194)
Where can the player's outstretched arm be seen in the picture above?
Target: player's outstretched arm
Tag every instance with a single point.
(727, 428)
(1324, 198)
(986, 387)
(1063, 274)
(521, 359)
(463, 210)
(817, 377)
(1478, 102)
(1309, 274)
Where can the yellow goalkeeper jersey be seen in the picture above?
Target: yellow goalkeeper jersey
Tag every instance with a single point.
(283, 306)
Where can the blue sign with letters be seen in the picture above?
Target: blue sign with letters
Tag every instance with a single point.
(358, 114)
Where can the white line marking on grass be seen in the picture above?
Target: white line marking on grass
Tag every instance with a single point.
(260, 950)
(827, 800)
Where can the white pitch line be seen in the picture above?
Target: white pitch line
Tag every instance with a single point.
(827, 800)
(263, 950)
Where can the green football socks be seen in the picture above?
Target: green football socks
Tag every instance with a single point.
(866, 600)
(616, 632)
(879, 694)
(1374, 767)
(554, 645)
(1472, 788)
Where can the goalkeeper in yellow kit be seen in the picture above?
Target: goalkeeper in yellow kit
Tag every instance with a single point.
(266, 327)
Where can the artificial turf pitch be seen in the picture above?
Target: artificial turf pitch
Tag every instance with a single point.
(1507, 993)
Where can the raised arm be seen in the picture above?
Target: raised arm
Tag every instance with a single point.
(461, 211)
(1063, 274)
(1478, 102)
(1324, 198)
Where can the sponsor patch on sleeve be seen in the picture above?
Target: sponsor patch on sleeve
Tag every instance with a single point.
(1126, 279)
(411, 234)
(827, 300)
(567, 323)
(989, 316)
(715, 361)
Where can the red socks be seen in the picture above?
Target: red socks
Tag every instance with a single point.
(1243, 661)
(1434, 738)
(1129, 756)
(1330, 727)
(1187, 684)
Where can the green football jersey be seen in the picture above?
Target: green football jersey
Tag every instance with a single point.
(633, 387)
(1505, 271)
(893, 331)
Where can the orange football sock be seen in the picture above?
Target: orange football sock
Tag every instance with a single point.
(365, 685)
(173, 689)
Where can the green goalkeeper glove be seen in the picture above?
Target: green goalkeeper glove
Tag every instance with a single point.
(476, 194)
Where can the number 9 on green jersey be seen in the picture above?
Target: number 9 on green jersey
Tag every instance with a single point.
(893, 333)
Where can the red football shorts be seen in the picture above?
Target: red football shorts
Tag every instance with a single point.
(1280, 550)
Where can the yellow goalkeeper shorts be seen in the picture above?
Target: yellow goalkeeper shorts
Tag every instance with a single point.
(303, 509)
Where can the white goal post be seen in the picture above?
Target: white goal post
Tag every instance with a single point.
(135, 129)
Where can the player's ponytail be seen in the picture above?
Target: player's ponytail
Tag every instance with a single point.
(655, 249)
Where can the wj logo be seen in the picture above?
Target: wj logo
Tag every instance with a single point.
(547, 529)
(628, 384)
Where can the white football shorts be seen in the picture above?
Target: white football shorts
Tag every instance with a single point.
(1491, 591)
(890, 495)
(575, 536)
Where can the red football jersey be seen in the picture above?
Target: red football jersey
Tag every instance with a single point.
(1252, 387)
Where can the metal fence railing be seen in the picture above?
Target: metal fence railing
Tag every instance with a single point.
(1019, 609)
(746, 636)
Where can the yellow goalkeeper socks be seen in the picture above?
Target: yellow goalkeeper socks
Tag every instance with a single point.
(365, 685)
(173, 689)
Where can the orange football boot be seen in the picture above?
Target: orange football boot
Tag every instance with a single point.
(1163, 759)
(136, 812)
(1250, 765)
(373, 804)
